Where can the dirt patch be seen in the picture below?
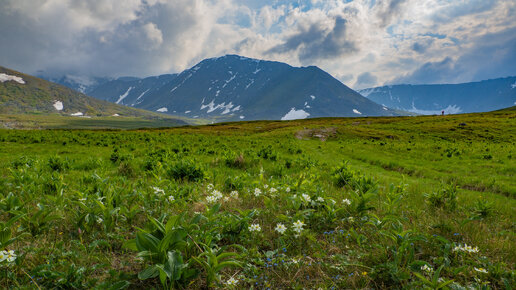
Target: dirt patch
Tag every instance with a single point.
(322, 133)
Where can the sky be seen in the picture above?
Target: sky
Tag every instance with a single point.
(363, 43)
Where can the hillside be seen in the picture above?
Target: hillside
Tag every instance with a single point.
(481, 96)
(24, 94)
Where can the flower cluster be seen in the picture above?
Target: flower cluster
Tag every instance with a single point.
(232, 282)
(158, 190)
(481, 270)
(298, 226)
(280, 228)
(346, 201)
(255, 228)
(214, 196)
(465, 248)
(8, 256)
(427, 269)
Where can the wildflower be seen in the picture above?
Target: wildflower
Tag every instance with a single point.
(305, 198)
(232, 282)
(280, 228)
(234, 194)
(346, 201)
(364, 273)
(8, 256)
(226, 198)
(255, 228)
(171, 198)
(351, 219)
(210, 187)
(266, 186)
(99, 220)
(465, 248)
(211, 199)
(217, 194)
(320, 199)
(257, 192)
(481, 270)
(427, 269)
(158, 190)
(11, 256)
(287, 190)
(298, 226)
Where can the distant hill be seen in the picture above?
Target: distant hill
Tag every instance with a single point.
(239, 88)
(472, 97)
(25, 94)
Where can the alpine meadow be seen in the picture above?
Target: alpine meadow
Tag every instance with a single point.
(405, 202)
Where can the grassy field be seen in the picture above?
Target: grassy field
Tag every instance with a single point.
(405, 202)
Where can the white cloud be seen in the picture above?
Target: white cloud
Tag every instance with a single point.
(388, 39)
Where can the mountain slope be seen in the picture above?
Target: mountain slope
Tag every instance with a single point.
(129, 92)
(452, 98)
(237, 88)
(21, 94)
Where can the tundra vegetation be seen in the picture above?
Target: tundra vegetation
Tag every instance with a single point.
(406, 202)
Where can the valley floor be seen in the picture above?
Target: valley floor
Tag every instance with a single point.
(323, 203)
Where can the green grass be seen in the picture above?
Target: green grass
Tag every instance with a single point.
(88, 206)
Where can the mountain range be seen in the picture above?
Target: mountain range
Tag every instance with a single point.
(471, 97)
(233, 88)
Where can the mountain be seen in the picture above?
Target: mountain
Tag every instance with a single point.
(129, 91)
(232, 88)
(22, 94)
(481, 96)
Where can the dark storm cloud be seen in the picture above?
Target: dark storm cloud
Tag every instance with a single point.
(315, 42)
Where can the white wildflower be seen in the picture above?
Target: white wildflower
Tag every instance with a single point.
(273, 190)
(481, 270)
(465, 248)
(266, 186)
(171, 198)
(305, 198)
(232, 282)
(158, 190)
(11, 256)
(234, 194)
(351, 219)
(298, 226)
(257, 192)
(255, 228)
(346, 201)
(226, 198)
(280, 228)
(427, 269)
(99, 220)
(320, 199)
(211, 199)
(287, 190)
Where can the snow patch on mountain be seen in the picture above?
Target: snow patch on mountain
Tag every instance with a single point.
(122, 97)
(242, 117)
(58, 105)
(78, 114)
(6, 77)
(212, 107)
(451, 109)
(186, 112)
(230, 79)
(513, 85)
(162, 110)
(356, 112)
(312, 96)
(294, 114)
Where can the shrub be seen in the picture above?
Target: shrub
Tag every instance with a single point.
(186, 170)
(445, 198)
(56, 163)
(343, 175)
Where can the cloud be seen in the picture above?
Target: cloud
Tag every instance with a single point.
(492, 56)
(398, 40)
(365, 80)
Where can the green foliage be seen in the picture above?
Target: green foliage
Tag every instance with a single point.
(249, 205)
(186, 170)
